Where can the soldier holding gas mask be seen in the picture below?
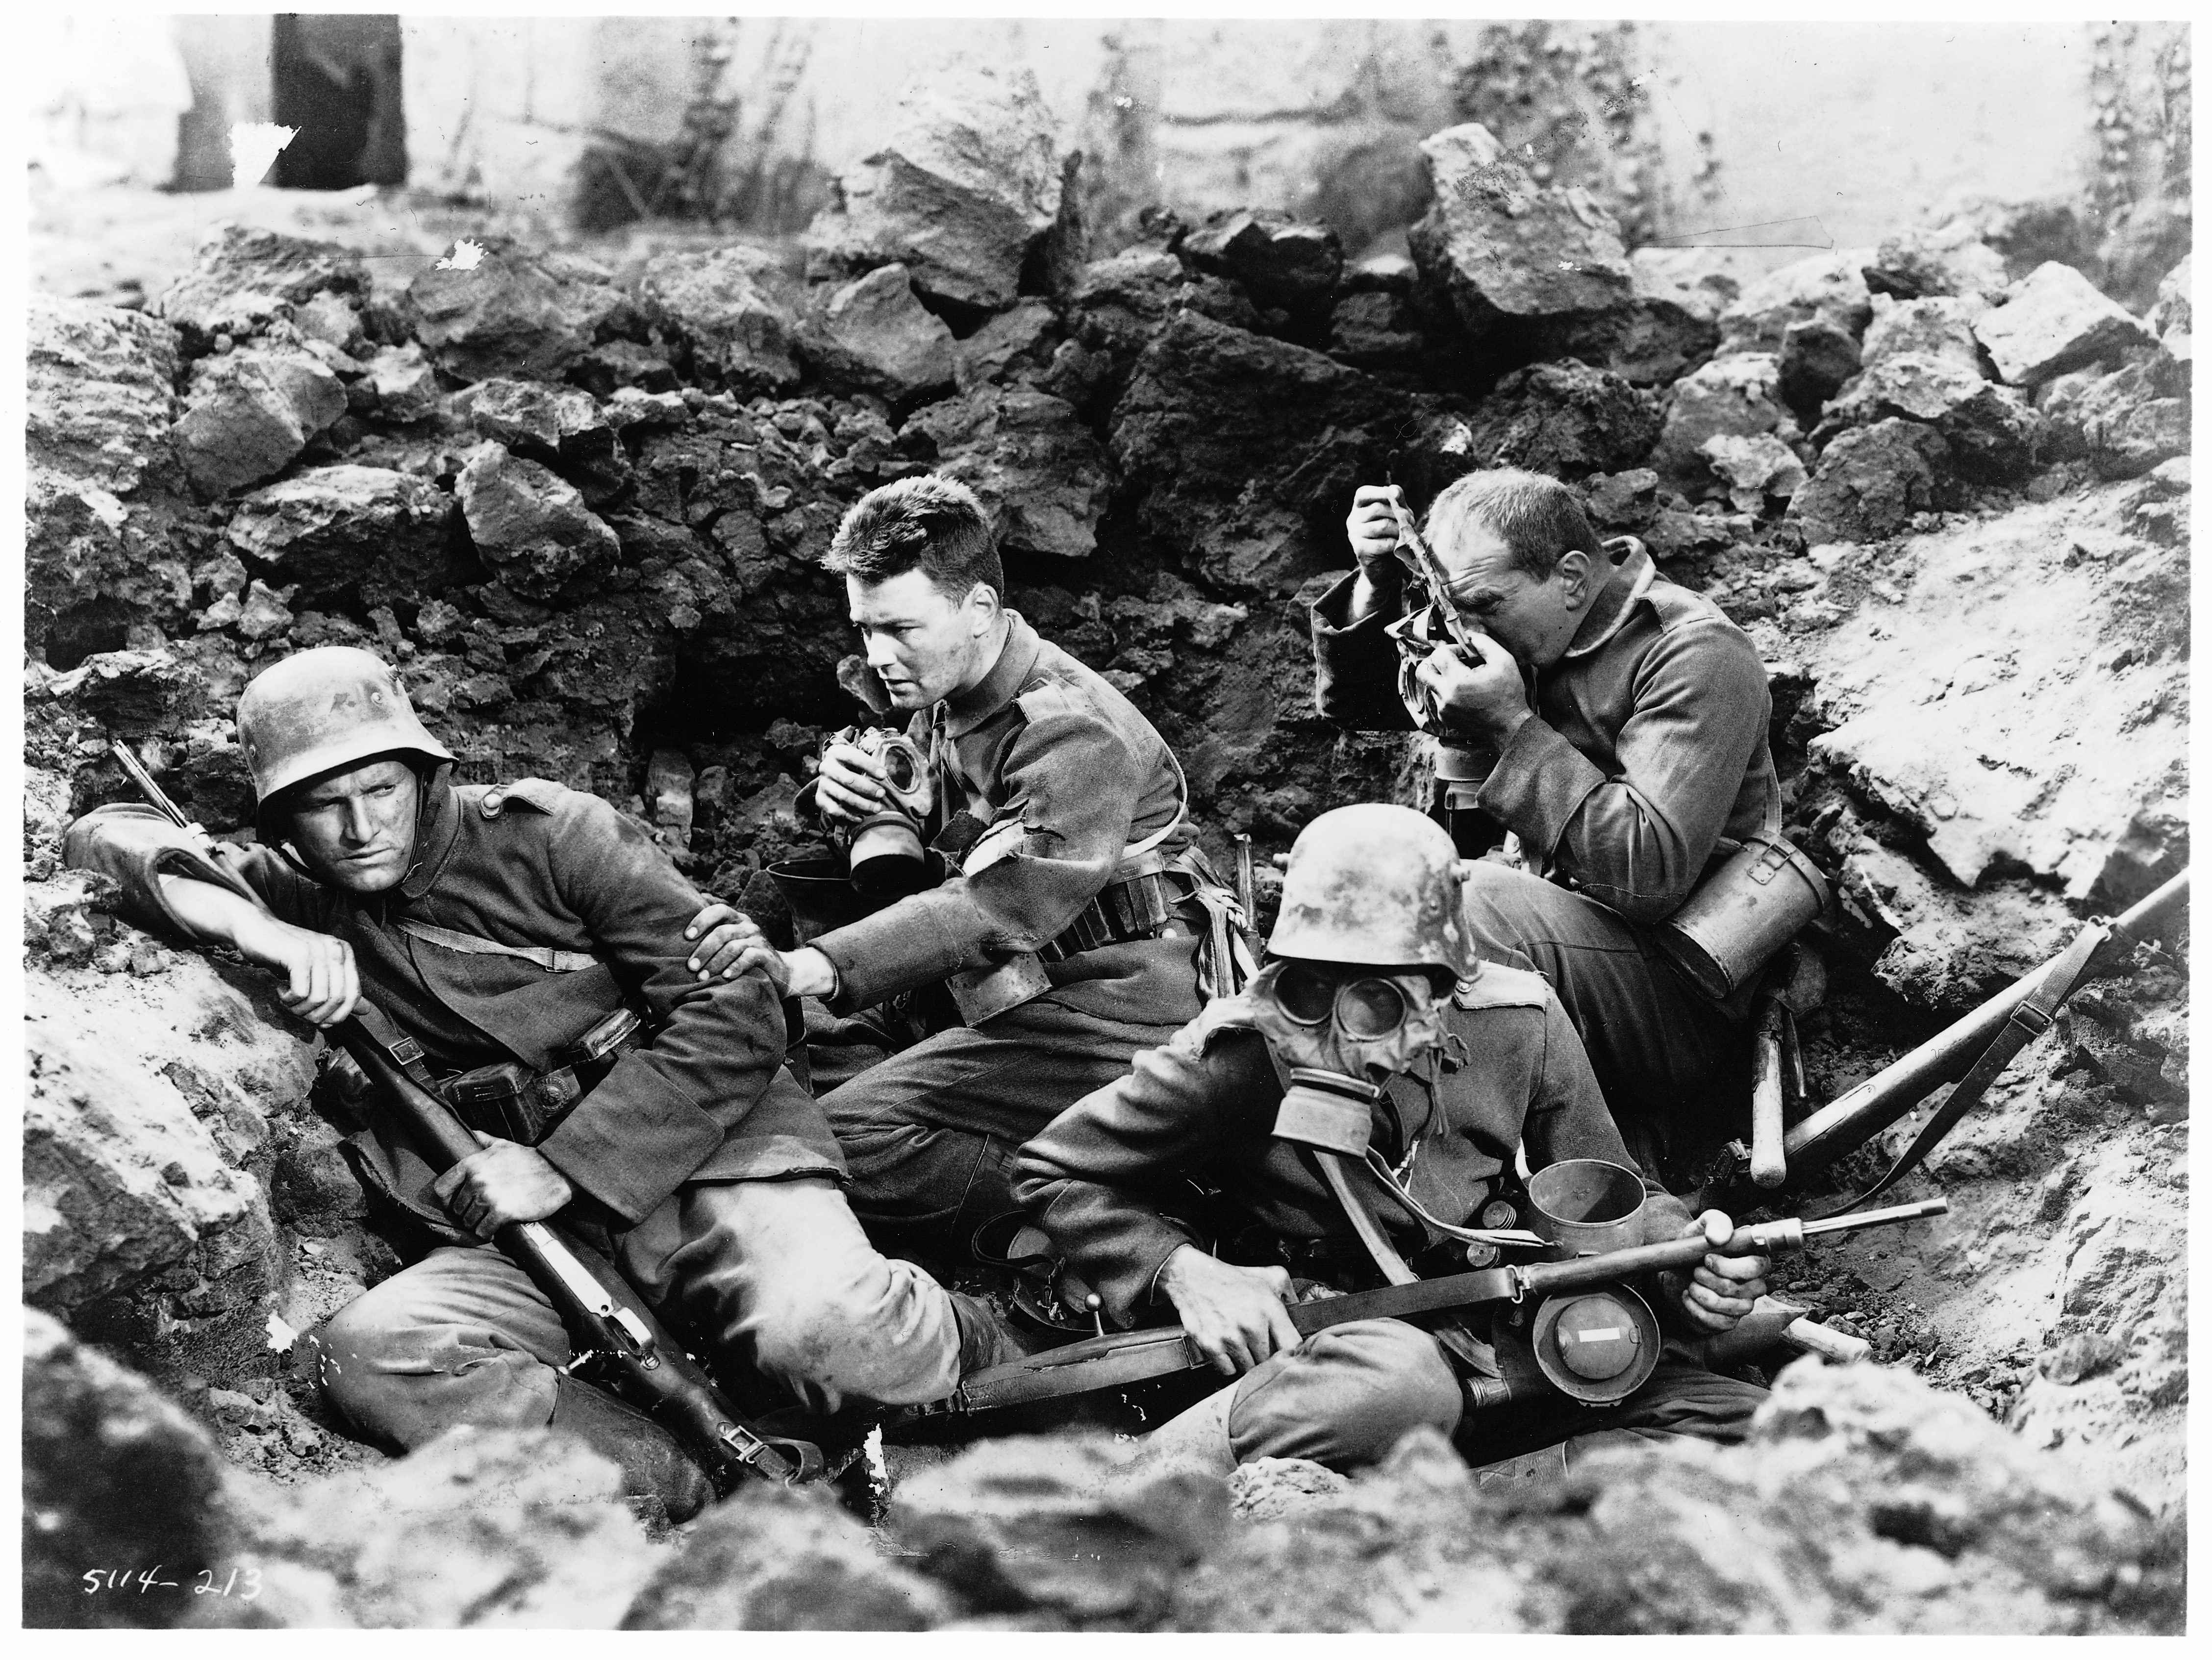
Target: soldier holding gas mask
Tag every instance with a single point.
(1352, 1138)
(1075, 919)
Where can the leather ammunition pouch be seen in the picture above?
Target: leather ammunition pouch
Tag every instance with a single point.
(1139, 907)
(515, 1103)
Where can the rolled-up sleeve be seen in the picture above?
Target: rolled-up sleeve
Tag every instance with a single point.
(1639, 841)
(668, 1104)
(1074, 784)
(137, 847)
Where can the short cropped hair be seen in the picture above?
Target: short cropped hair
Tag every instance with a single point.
(1540, 519)
(928, 522)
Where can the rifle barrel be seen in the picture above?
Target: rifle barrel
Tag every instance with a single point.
(1859, 1114)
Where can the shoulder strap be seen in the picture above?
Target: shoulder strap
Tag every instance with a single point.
(554, 962)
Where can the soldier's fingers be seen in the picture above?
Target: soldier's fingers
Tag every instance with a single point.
(758, 956)
(1282, 1330)
(713, 915)
(720, 949)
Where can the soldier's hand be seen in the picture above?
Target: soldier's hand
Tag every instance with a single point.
(851, 783)
(1236, 1315)
(729, 933)
(1720, 1290)
(1372, 528)
(1486, 697)
(322, 985)
(504, 1182)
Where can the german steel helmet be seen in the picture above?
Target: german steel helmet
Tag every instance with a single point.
(321, 709)
(1378, 886)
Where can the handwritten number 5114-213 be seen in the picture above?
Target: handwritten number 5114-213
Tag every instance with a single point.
(245, 1584)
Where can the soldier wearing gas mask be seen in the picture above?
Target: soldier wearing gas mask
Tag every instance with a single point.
(1076, 919)
(1358, 1107)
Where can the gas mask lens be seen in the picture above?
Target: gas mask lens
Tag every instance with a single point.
(1366, 1009)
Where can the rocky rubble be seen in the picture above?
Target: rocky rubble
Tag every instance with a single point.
(1864, 1502)
(1943, 482)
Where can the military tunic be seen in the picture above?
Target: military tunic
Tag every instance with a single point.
(1106, 1178)
(1646, 760)
(1064, 776)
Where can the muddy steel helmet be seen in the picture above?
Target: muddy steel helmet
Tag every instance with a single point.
(1374, 884)
(321, 709)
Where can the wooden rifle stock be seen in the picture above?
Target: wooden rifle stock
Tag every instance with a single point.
(1862, 1113)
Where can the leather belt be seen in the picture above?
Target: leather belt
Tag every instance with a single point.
(1139, 908)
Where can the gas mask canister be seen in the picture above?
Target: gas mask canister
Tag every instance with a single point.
(1345, 1031)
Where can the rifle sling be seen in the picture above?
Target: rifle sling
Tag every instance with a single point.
(2031, 1018)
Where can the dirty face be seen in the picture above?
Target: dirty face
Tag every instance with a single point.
(925, 644)
(1533, 618)
(356, 829)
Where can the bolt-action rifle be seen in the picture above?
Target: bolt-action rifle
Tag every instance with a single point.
(618, 1343)
(1969, 1053)
(1122, 1358)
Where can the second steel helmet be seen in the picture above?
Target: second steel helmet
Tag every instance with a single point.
(1374, 884)
(323, 708)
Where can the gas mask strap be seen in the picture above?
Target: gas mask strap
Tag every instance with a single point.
(1476, 1355)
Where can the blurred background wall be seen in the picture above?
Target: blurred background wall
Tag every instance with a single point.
(1685, 127)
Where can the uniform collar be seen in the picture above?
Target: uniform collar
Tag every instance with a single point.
(962, 714)
(437, 827)
(1631, 581)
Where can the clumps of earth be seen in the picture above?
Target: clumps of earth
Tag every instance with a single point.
(1943, 482)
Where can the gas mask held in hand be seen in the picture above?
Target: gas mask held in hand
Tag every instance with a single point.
(884, 851)
(1345, 1031)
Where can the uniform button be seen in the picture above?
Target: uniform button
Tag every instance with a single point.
(493, 801)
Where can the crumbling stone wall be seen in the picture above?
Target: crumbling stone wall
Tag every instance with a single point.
(1943, 482)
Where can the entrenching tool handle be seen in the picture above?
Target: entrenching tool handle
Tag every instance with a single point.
(1767, 1165)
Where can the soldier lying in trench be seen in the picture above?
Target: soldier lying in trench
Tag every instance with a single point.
(501, 924)
(1370, 952)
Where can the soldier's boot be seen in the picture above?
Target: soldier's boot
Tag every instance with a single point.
(654, 1465)
(988, 1338)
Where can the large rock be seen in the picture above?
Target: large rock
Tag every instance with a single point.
(775, 1558)
(1246, 449)
(710, 303)
(2051, 742)
(562, 427)
(1940, 326)
(2169, 315)
(1758, 470)
(1817, 357)
(510, 311)
(1565, 419)
(1372, 329)
(1992, 432)
(1284, 264)
(2126, 423)
(1038, 470)
(134, 1205)
(118, 1483)
(363, 535)
(1948, 949)
(965, 191)
(1948, 259)
(532, 525)
(103, 485)
(496, 1527)
(1738, 396)
(1015, 348)
(873, 336)
(248, 414)
(2055, 320)
(1830, 287)
(1119, 304)
(404, 384)
(1506, 253)
(1659, 334)
(1871, 481)
(243, 279)
(1057, 1525)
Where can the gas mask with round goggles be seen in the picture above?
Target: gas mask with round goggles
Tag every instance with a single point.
(1343, 1031)
(884, 851)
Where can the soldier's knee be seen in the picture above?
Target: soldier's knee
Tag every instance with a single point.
(356, 1358)
(1349, 1394)
(883, 1342)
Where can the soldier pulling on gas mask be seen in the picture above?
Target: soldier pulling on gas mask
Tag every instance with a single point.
(1353, 1140)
